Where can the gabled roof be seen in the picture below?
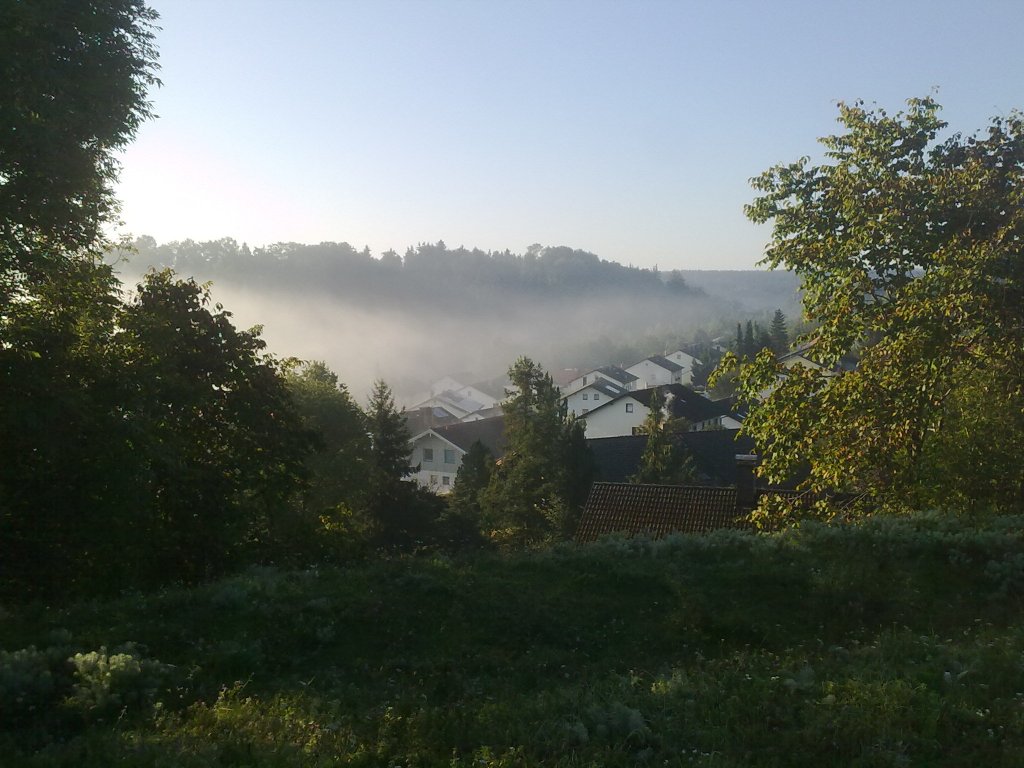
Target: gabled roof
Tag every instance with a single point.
(656, 510)
(684, 403)
(490, 432)
(605, 387)
(616, 373)
(664, 362)
(713, 454)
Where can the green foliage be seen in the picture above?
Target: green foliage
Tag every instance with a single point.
(908, 252)
(218, 436)
(75, 76)
(663, 461)
(779, 333)
(891, 642)
(462, 522)
(540, 485)
(400, 514)
(337, 468)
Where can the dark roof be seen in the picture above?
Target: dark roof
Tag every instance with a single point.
(425, 418)
(617, 458)
(605, 387)
(713, 453)
(686, 403)
(490, 432)
(656, 510)
(614, 372)
(665, 363)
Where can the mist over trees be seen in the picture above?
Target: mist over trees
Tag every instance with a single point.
(437, 311)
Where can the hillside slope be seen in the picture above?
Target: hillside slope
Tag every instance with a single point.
(898, 642)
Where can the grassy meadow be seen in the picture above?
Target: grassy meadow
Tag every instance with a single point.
(896, 642)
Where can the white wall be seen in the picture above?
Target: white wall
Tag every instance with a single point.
(614, 420)
(432, 472)
(587, 398)
(651, 374)
(687, 361)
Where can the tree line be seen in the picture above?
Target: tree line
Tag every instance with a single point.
(428, 272)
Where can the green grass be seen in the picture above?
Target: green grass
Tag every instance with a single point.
(894, 643)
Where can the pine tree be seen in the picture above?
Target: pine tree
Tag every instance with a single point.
(461, 523)
(749, 344)
(779, 333)
(535, 491)
(390, 498)
(662, 462)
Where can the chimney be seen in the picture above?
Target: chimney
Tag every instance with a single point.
(746, 481)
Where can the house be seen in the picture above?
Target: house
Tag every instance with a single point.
(627, 413)
(686, 361)
(591, 396)
(437, 452)
(463, 403)
(656, 371)
(804, 356)
(610, 373)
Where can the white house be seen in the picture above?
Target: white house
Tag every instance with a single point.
(610, 373)
(627, 413)
(656, 371)
(591, 396)
(437, 452)
(686, 361)
(453, 388)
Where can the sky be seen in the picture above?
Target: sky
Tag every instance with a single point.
(627, 129)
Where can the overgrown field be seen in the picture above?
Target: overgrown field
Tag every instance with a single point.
(898, 642)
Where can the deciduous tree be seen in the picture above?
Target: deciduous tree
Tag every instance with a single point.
(909, 250)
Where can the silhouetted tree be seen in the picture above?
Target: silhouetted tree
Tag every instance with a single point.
(779, 333)
(663, 461)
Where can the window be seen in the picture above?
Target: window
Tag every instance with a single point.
(597, 396)
(445, 480)
(428, 454)
(586, 396)
(433, 479)
(584, 379)
(629, 407)
(449, 456)
(586, 410)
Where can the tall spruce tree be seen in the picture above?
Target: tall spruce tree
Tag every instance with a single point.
(536, 490)
(779, 333)
(663, 461)
(388, 495)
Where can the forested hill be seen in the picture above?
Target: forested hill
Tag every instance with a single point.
(436, 310)
(432, 271)
(426, 273)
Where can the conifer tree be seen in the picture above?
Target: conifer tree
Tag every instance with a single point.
(389, 502)
(663, 462)
(779, 333)
(535, 491)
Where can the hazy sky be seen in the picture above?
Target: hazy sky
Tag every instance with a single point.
(629, 128)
